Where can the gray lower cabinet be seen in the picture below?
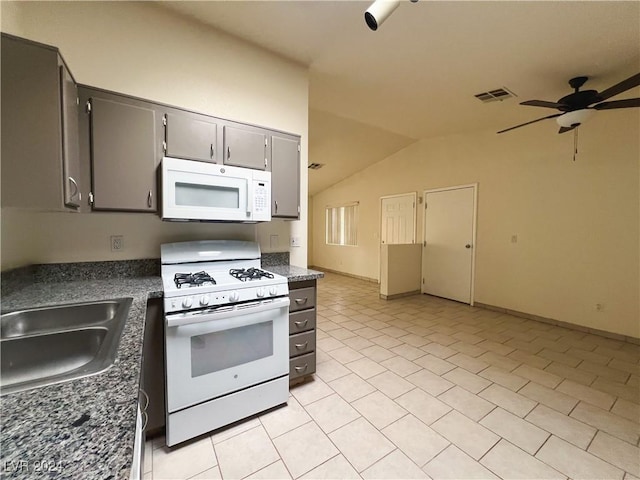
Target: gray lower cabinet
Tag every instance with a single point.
(153, 366)
(125, 150)
(191, 136)
(302, 330)
(245, 146)
(285, 176)
(40, 160)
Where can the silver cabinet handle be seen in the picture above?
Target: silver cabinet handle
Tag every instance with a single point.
(228, 153)
(150, 199)
(276, 203)
(212, 151)
(301, 301)
(146, 420)
(75, 185)
(302, 324)
(146, 398)
(302, 346)
(301, 369)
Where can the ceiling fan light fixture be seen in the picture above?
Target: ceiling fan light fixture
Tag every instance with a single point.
(574, 118)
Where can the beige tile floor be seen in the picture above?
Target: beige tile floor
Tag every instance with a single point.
(422, 387)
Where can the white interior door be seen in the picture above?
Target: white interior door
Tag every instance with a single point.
(398, 219)
(448, 247)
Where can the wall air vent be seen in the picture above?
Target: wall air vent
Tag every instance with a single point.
(494, 95)
(315, 166)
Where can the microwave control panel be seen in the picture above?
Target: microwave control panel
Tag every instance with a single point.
(260, 197)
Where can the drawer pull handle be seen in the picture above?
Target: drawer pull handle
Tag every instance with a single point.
(302, 324)
(301, 369)
(302, 346)
(301, 301)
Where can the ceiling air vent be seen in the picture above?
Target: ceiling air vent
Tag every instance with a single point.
(494, 95)
(316, 166)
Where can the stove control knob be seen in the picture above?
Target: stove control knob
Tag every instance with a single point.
(204, 300)
(187, 302)
(260, 292)
(234, 296)
(273, 291)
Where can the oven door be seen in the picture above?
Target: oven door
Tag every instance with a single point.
(214, 352)
(205, 191)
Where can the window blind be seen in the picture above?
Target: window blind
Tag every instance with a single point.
(342, 225)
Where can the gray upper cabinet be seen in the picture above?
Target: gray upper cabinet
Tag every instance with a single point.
(38, 130)
(70, 147)
(125, 152)
(245, 147)
(285, 176)
(191, 136)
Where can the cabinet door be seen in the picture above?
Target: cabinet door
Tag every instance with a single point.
(245, 148)
(190, 137)
(70, 146)
(123, 155)
(153, 365)
(285, 177)
(31, 145)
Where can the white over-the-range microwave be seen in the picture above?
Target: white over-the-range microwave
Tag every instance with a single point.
(202, 191)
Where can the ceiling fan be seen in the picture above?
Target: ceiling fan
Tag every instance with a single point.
(576, 107)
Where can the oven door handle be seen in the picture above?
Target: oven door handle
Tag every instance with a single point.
(237, 311)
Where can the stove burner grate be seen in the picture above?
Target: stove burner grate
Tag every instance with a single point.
(249, 274)
(189, 279)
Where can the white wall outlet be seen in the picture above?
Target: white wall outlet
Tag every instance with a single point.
(117, 243)
(295, 241)
(273, 241)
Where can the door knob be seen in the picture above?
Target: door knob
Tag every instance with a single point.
(467, 246)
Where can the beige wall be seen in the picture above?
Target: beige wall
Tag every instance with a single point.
(142, 50)
(577, 222)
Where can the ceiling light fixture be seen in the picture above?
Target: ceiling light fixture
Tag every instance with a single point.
(379, 11)
(575, 118)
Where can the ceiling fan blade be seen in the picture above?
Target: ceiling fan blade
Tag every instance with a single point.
(529, 123)
(566, 129)
(628, 103)
(542, 103)
(623, 86)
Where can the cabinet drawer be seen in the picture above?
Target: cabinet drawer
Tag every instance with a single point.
(302, 321)
(301, 366)
(302, 343)
(302, 298)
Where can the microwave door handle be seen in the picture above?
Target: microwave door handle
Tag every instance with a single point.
(182, 320)
(249, 198)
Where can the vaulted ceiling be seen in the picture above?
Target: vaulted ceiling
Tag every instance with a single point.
(373, 93)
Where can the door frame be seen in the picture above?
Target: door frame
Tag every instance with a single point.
(473, 233)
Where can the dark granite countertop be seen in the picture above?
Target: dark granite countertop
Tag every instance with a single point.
(293, 273)
(37, 425)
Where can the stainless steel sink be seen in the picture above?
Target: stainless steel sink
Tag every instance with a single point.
(42, 346)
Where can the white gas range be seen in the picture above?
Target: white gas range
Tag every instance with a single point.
(226, 335)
